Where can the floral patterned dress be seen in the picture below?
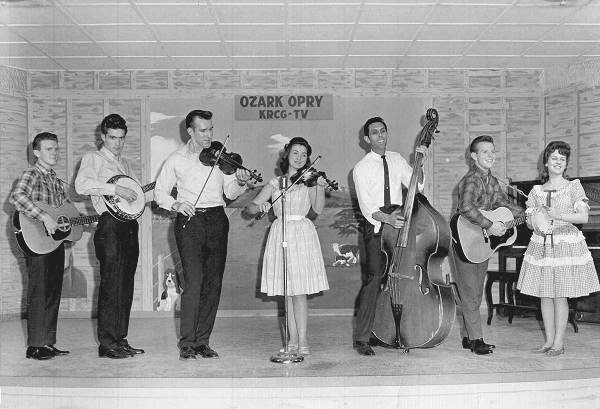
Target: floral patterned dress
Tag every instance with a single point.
(305, 265)
(560, 264)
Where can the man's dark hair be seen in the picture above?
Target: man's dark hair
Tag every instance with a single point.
(370, 121)
(113, 121)
(44, 136)
(480, 138)
(189, 119)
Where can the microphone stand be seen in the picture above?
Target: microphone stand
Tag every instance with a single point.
(285, 357)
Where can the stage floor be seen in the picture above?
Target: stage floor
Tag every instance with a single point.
(245, 345)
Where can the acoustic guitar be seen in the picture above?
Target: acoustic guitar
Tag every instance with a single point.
(474, 244)
(32, 236)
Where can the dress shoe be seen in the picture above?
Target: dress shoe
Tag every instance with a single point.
(113, 353)
(186, 353)
(39, 353)
(466, 343)
(479, 347)
(55, 350)
(128, 348)
(363, 348)
(541, 350)
(555, 352)
(206, 352)
(490, 346)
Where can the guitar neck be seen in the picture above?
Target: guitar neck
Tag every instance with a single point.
(515, 222)
(79, 220)
(148, 187)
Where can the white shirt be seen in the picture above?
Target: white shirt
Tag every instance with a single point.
(96, 168)
(183, 170)
(369, 182)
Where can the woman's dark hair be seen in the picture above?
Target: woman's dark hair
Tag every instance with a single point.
(284, 163)
(563, 148)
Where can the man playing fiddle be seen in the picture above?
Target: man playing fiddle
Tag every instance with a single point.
(201, 230)
(378, 178)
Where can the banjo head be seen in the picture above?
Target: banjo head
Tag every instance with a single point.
(121, 208)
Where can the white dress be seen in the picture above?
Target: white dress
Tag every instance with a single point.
(305, 265)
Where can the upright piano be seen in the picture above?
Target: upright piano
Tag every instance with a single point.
(586, 308)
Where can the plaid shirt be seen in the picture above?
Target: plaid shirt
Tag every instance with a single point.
(37, 184)
(479, 189)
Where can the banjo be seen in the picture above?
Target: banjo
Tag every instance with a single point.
(120, 208)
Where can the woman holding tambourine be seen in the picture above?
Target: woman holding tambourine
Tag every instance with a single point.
(557, 264)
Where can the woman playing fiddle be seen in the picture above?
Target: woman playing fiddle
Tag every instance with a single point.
(557, 263)
(306, 268)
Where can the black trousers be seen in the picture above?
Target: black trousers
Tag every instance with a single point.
(44, 288)
(370, 288)
(202, 246)
(117, 250)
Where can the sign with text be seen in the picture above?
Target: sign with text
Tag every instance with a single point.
(283, 107)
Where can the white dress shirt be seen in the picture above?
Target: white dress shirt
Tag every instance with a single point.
(183, 170)
(369, 182)
(96, 168)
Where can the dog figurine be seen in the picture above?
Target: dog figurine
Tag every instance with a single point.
(169, 300)
(345, 254)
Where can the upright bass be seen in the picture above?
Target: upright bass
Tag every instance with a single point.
(415, 307)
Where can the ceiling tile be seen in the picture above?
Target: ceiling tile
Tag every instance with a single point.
(319, 32)
(259, 63)
(257, 49)
(510, 62)
(120, 33)
(195, 49)
(465, 14)
(560, 48)
(393, 13)
(426, 62)
(498, 48)
(88, 63)
(371, 62)
(176, 14)
(535, 15)
(51, 33)
(451, 31)
(325, 13)
(20, 50)
(252, 33)
(41, 64)
(574, 33)
(437, 48)
(71, 49)
(516, 32)
(143, 63)
(587, 15)
(318, 48)
(378, 47)
(316, 62)
(386, 32)
(204, 63)
(250, 14)
(186, 32)
(7, 35)
(15, 14)
(103, 14)
(135, 49)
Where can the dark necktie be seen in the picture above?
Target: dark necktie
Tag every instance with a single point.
(386, 184)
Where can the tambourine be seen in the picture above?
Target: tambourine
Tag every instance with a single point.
(540, 221)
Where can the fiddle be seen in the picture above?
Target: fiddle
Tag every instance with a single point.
(309, 178)
(228, 162)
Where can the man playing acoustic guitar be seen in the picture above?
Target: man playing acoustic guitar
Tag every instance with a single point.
(44, 286)
(115, 241)
(477, 190)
